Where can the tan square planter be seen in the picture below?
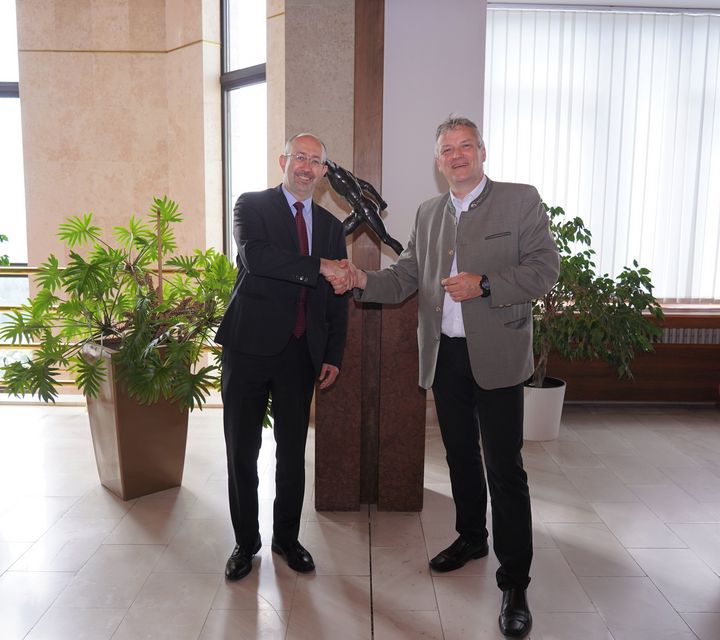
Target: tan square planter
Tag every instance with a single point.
(139, 449)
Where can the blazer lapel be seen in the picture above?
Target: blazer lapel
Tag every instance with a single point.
(318, 231)
(285, 219)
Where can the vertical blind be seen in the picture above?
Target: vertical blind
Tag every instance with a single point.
(615, 116)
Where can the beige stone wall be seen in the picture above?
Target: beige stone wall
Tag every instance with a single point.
(310, 74)
(120, 102)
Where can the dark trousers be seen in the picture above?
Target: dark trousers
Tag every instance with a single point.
(469, 415)
(246, 382)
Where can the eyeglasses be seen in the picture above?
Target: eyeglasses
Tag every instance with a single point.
(301, 158)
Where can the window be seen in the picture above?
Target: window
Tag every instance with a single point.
(244, 100)
(13, 289)
(615, 116)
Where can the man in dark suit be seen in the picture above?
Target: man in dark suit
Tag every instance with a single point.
(478, 256)
(283, 328)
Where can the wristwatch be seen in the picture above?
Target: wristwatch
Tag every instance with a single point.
(485, 286)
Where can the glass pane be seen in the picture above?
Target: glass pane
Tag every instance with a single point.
(12, 184)
(14, 291)
(248, 139)
(247, 145)
(8, 42)
(246, 33)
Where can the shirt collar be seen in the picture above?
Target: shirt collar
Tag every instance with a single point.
(463, 204)
(307, 203)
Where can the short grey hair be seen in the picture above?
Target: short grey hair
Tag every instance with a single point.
(288, 144)
(453, 122)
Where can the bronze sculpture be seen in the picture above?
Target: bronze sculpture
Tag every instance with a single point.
(365, 201)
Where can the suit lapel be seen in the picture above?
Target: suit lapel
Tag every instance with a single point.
(318, 231)
(284, 219)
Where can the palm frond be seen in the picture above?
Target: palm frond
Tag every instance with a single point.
(89, 374)
(79, 230)
(49, 274)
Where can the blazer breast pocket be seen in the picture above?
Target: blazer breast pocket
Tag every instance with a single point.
(501, 234)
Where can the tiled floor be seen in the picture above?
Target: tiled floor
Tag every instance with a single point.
(627, 535)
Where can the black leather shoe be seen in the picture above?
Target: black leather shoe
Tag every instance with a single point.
(458, 553)
(297, 557)
(515, 619)
(239, 563)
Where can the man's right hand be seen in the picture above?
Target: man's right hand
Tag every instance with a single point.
(342, 275)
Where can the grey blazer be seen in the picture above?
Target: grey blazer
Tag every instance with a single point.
(505, 235)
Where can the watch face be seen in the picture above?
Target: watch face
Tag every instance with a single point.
(485, 286)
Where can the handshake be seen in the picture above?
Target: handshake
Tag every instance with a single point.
(342, 275)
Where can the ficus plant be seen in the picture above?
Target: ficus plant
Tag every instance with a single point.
(156, 310)
(586, 316)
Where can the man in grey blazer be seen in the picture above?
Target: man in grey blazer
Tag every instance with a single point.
(477, 256)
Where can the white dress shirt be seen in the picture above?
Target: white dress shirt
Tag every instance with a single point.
(452, 320)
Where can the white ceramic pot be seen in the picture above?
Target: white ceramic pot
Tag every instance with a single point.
(543, 410)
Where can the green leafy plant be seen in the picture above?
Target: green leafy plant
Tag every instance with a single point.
(586, 316)
(159, 324)
(4, 260)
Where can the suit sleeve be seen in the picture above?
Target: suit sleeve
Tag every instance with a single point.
(395, 283)
(259, 255)
(336, 310)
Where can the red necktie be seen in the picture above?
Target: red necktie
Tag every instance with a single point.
(303, 240)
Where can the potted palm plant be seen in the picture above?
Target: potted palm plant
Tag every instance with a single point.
(585, 317)
(132, 323)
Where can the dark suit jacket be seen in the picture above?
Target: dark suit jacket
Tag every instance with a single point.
(261, 314)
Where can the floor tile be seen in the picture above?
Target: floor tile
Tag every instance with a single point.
(401, 579)
(161, 624)
(706, 626)
(31, 517)
(686, 581)
(244, 625)
(338, 548)
(330, 607)
(555, 499)
(10, 552)
(571, 454)
(77, 624)
(672, 504)
(635, 525)
(631, 469)
(598, 484)
(554, 586)
(396, 529)
(704, 540)
(569, 626)
(25, 596)
(634, 609)
(112, 578)
(199, 545)
(469, 607)
(67, 545)
(403, 625)
(268, 586)
(592, 550)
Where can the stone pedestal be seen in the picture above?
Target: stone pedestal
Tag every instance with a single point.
(370, 427)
